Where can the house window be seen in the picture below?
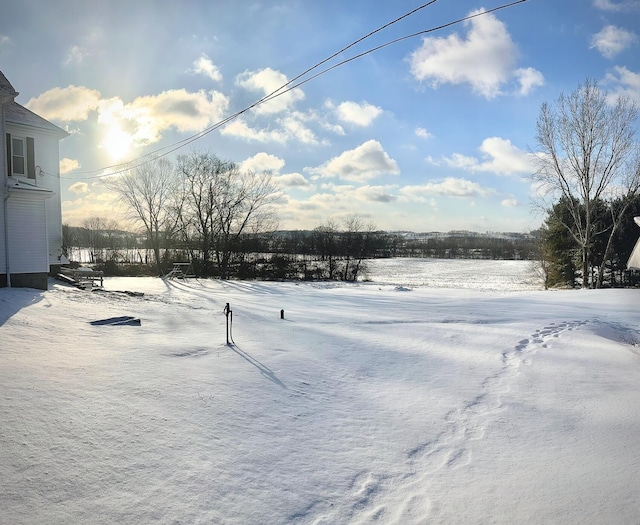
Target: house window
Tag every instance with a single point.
(21, 157)
(18, 156)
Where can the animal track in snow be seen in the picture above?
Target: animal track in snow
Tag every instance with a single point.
(452, 448)
(541, 336)
(196, 352)
(365, 487)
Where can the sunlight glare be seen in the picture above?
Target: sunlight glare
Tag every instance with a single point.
(117, 143)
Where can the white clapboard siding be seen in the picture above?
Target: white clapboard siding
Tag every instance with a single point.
(28, 246)
(634, 260)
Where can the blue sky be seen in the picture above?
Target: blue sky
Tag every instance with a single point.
(433, 133)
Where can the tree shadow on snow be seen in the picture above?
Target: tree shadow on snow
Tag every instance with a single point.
(264, 370)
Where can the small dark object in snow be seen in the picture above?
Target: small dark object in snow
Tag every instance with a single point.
(402, 289)
(124, 320)
(130, 322)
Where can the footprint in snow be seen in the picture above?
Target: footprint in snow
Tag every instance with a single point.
(540, 337)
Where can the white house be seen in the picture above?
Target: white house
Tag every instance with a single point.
(634, 260)
(30, 206)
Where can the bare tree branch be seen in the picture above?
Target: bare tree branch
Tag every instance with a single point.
(585, 147)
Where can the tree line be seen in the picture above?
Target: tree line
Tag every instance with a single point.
(333, 250)
(561, 255)
(222, 220)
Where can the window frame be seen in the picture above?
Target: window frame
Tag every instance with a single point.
(27, 157)
(23, 140)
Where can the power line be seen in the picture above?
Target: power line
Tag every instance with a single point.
(285, 88)
(281, 90)
(395, 41)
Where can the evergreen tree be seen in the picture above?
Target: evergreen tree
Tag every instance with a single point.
(559, 249)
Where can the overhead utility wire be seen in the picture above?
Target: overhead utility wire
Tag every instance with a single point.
(177, 145)
(273, 94)
(372, 50)
(289, 87)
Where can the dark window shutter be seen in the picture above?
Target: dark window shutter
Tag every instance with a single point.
(9, 167)
(31, 159)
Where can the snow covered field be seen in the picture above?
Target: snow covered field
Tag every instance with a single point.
(476, 400)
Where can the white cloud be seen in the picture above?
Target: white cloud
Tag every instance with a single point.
(290, 128)
(262, 162)
(76, 55)
(293, 180)
(344, 197)
(203, 65)
(457, 160)
(239, 128)
(625, 84)
(135, 124)
(499, 156)
(91, 204)
(338, 199)
(423, 133)
(295, 129)
(67, 104)
(181, 109)
(348, 193)
(359, 114)
(510, 203)
(267, 81)
(374, 194)
(529, 78)
(68, 165)
(79, 188)
(5, 41)
(336, 129)
(609, 5)
(484, 59)
(142, 121)
(367, 161)
(449, 187)
(611, 40)
(281, 122)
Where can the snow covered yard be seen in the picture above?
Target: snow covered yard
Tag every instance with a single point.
(370, 403)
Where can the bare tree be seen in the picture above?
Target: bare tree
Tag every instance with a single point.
(221, 203)
(585, 143)
(112, 238)
(244, 204)
(326, 239)
(621, 197)
(101, 237)
(148, 193)
(200, 175)
(94, 227)
(356, 237)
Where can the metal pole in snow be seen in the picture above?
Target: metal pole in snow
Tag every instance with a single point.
(227, 313)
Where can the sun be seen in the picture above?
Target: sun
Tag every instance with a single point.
(117, 143)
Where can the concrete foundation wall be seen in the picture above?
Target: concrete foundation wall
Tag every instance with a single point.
(39, 281)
